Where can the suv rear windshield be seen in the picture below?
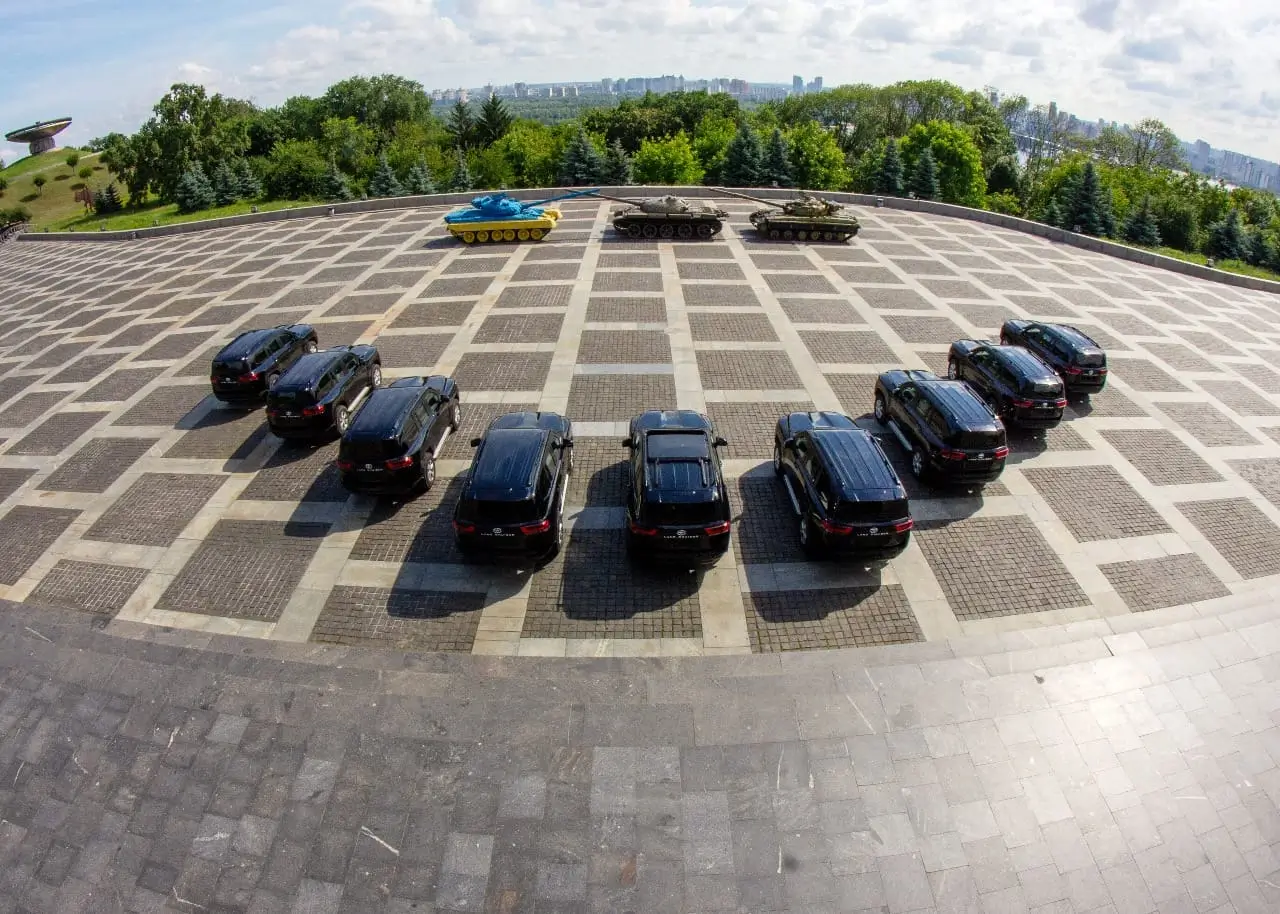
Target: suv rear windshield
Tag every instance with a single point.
(502, 512)
(231, 366)
(1090, 358)
(293, 395)
(365, 451)
(680, 513)
(1042, 388)
(975, 441)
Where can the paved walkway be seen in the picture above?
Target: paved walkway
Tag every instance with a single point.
(1123, 766)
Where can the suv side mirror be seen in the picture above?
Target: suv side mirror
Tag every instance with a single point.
(626, 442)
(475, 442)
(720, 442)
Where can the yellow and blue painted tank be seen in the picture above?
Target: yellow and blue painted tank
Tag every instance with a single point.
(499, 217)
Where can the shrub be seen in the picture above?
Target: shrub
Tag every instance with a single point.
(924, 176)
(295, 169)
(384, 182)
(333, 186)
(462, 180)
(1003, 202)
(85, 173)
(888, 179)
(581, 164)
(248, 185)
(420, 180)
(194, 192)
(39, 181)
(73, 159)
(14, 214)
(1140, 227)
(617, 166)
(743, 160)
(775, 166)
(226, 190)
(1226, 238)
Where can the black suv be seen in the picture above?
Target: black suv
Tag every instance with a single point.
(321, 392)
(677, 503)
(1022, 390)
(1078, 360)
(849, 499)
(951, 434)
(391, 445)
(248, 366)
(512, 501)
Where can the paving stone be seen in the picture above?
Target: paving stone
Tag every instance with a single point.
(412, 531)
(155, 509)
(25, 533)
(520, 328)
(862, 275)
(851, 346)
(1168, 581)
(503, 370)
(91, 587)
(120, 385)
(739, 370)
(12, 479)
(749, 427)
(834, 617)
(818, 311)
(616, 398)
(642, 309)
(914, 329)
(599, 477)
(733, 327)
(1141, 374)
(400, 351)
(222, 434)
(1095, 502)
(1160, 456)
(1181, 357)
(475, 419)
(1239, 398)
(791, 283)
(635, 281)
(56, 433)
(98, 464)
(467, 287)
(173, 346)
(1207, 424)
(399, 619)
(695, 269)
(85, 368)
(1108, 402)
(640, 347)
(1237, 530)
(705, 293)
(25, 410)
(549, 296)
(434, 314)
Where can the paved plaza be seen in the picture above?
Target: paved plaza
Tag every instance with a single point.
(130, 495)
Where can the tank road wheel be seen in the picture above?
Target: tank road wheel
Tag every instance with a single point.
(775, 234)
(802, 236)
(482, 237)
(706, 231)
(686, 231)
(788, 235)
(634, 230)
(523, 234)
(509, 235)
(468, 237)
(828, 236)
(666, 231)
(536, 234)
(650, 230)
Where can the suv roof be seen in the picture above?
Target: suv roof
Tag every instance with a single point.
(383, 414)
(853, 460)
(307, 370)
(655, 419)
(530, 420)
(1070, 335)
(246, 344)
(506, 468)
(962, 406)
(1028, 366)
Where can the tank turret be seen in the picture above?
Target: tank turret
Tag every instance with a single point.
(499, 217)
(665, 217)
(804, 218)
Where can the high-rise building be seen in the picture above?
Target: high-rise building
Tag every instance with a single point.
(606, 86)
(522, 90)
(797, 85)
(816, 85)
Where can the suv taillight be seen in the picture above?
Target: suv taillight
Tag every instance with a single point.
(1074, 369)
(717, 529)
(1061, 403)
(642, 531)
(464, 527)
(317, 410)
(248, 377)
(1001, 453)
(541, 526)
(399, 463)
(951, 454)
(903, 526)
(1023, 404)
(345, 465)
(837, 529)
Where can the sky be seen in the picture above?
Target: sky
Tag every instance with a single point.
(1209, 70)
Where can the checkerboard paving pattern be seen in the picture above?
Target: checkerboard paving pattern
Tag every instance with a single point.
(116, 467)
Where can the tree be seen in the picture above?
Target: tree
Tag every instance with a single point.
(1140, 227)
(248, 185)
(617, 166)
(1003, 178)
(333, 186)
(107, 201)
(1257, 248)
(744, 159)
(888, 179)
(226, 190)
(349, 143)
(85, 173)
(461, 125)
(73, 159)
(533, 154)
(462, 180)
(816, 158)
(956, 158)
(1052, 215)
(495, 120)
(775, 167)
(40, 181)
(669, 161)
(381, 103)
(295, 170)
(1088, 209)
(384, 182)
(4, 185)
(581, 164)
(924, 176)
(711, 138)
(1226, 238)
(1148, 145)
(194, 192)
(420, 180)
(1177, 222)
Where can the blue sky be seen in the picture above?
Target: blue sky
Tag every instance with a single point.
(1210, 72)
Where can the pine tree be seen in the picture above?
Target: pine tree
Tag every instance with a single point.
(384, 182)
(1140, 227)
(226, 189)
(194, 192)
(1089, 206)
(743, 159)
(924, 177)
(1052, 214)
(617, 166)
(419, 180)
(889, 176)
(494, 122)
(333, 186)
(1226, 239)
(581, 165)
(99, 202)
(111, 199)
(247, 182)
(462, 180)
(462, 125)
(776, 165)
(1257, 249)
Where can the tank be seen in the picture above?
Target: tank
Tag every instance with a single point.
(498, 217)
(806, 218)
(666, 217)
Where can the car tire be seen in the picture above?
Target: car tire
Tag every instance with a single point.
(341, 419)
(375, 375)
(559, 543)
(310, 347)
(881, 410)
(777, 459)
(918, 467)
(953, 370)
(455, 417)
(428, 472)
(273, 379)
(807, 542)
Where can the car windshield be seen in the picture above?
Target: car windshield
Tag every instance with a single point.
(1090, 358)
(975, 440)
(1043, 388)
(231, 366)
(371, 449)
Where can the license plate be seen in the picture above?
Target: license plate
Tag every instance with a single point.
(983, 459)
(290, 415)
(1047, 406)
(1091, 374)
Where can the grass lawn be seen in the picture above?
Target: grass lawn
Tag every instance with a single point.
(164, 214)
(56, 201)
(1229, 266)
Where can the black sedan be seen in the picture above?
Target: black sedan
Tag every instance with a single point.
(1023, 390)
(512, 501)
(322, 391)
(1078, 360)
(391, 445)
(677, 502)
(849, 498)
(251, 364)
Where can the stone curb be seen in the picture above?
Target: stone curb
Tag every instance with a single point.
(1026, 226)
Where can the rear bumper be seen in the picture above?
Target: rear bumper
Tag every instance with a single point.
(1077, 384)
(388, 482)
(506, 547)
(967, 472)
(864, 546)
(686, 551)
(303, 427)
(1035, 418)
(240, 393)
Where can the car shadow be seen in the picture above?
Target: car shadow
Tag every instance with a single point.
(600, 582)
(1026, 443)
(780, 607)
(961, 501)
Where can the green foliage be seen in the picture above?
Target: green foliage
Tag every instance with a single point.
(1003, 202)
(1140, 227)
(581, 165)
(248, 185)
(1149, 145)
(816, 159)
(494, 122)
(532, 153)
(107, 201)
(4, 183)
(73, 159)
(1257, 248)
(14, 214)
(956, 157)
(226, 190)
(888, 178)
(462, 180)
(462, 125)
(295, 170)
(1226, 238)
(39, 181)
(1177, 223)
(669, 161)
(349, 143)
(333, 185)
(775, 167)
(711, 139)
(1087, 208)
(1051, 214)
(85, 173)
(420, 180)
(384, 182)
(378, 102)
(617, 167)
(490, 168)
(1004, 177)
(744, 159)
(924, 176)
(194, 192)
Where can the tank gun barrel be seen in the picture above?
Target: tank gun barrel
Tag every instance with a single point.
(571, 194)
(734, 193)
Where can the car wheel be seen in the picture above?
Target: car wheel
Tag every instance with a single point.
(273, 379)
(807, 542)
(428, 472)
(777, 459)
(310, 347)
(455, 417)
(341, 419)
(559, 544)
(953, 370)
(376, 375)
(917, 463)
(881, 412)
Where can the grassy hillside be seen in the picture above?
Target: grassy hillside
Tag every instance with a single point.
(55, 202)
